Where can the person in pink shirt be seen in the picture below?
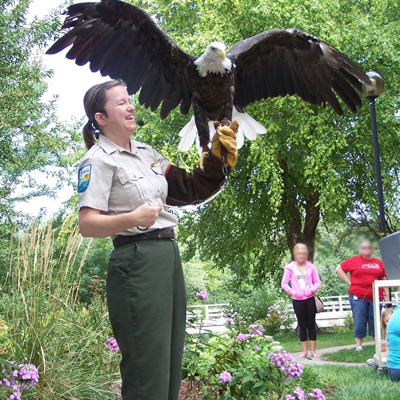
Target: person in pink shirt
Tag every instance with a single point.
(304, 283)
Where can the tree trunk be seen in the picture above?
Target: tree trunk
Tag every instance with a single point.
(291, 209)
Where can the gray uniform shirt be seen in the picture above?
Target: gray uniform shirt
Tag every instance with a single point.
(115, 181)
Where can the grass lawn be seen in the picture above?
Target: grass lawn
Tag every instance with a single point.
(325, 339)
(351, 355)
(352, 383)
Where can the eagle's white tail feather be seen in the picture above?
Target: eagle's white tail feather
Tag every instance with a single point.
(248, 127)
(188, 134)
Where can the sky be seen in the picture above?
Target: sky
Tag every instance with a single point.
(70, 82)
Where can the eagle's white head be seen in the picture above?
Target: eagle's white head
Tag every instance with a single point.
(214, 60)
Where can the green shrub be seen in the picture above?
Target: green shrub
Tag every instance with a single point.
(48, 325)
(240, 366)
(349, 322)
(265, 305)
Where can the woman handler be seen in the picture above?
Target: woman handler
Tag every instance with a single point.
(122, 185)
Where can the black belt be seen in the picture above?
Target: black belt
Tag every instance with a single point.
(167, 233)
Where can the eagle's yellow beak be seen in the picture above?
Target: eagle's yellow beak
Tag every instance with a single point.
(222, 54)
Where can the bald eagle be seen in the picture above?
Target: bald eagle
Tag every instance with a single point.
(122, 41)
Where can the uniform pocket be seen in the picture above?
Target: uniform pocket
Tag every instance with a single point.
(134, 186)
(125, 177)
(157, 170)
(122, 258)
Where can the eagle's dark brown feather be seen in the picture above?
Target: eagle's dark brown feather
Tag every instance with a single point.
(287, 62)
(122, 41)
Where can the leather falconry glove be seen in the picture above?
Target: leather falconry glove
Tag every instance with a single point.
(225, 137)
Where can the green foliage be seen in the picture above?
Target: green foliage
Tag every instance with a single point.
(247, 358)
(355, 383)
(66, 340)
(5, 343)
(311, 162)
(349, 323)
(202, 275)
(32, 141)
(351, 355)
(262, 304)
(326, 338)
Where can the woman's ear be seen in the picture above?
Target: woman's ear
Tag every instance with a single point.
(100, 118)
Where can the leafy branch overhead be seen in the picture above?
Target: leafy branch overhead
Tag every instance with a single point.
(310, 164)
(31, 138)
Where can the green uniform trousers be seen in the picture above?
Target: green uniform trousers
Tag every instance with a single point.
(147, 305)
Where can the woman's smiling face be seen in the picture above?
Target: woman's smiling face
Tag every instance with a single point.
(120, 112)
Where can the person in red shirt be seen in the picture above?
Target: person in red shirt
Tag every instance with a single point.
(364, 270)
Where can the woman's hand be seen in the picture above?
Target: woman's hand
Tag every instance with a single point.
(146, 215)
(93, 223)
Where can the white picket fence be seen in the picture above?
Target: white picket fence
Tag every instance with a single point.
(336, 309)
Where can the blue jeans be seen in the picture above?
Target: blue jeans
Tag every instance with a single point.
(363, 313)
(394, 374)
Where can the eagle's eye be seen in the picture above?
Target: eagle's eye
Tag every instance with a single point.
(213, 48)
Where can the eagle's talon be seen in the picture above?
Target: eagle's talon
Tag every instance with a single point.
(225, 121)
(204, 154)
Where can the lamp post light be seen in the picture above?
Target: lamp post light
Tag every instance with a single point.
(371, 93)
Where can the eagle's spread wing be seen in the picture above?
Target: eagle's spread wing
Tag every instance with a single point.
(122, 41)
(287, 62)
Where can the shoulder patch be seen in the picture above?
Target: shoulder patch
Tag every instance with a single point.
(84, 178)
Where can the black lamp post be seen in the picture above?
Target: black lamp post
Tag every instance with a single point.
(371, 93)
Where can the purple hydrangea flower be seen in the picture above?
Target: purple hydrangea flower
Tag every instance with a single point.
(317, 394)
(202, 295)
(18, 378)
(285, 362)
(29, 374)
(256, 329)
(112, 345)
(256, 348)
(301, 394)
(241, 337)
(225, 377)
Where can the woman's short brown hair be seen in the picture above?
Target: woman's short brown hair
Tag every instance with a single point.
(94, 102)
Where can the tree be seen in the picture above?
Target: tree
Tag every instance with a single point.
(311, 164)
(32, 141)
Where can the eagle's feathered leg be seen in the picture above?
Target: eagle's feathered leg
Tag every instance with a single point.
(225, 115)
(201, 120)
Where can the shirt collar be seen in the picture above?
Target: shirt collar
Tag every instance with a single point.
(110, 147)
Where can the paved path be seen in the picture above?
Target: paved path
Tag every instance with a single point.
(319, 361)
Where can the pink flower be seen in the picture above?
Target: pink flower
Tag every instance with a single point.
(317, 394)
(202, 295)
(225, 377)
(241, 337)
(112, 345)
